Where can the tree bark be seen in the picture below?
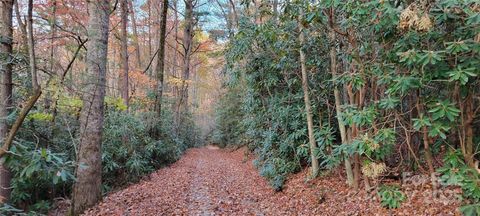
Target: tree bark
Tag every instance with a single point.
(187, 44)
(124, 53)
(149, 12)
(161, 58)
(133, 20)
(469, 135)
(22, 26)
(187, 47)
(53, 34)
(7, 142)
(336, 94)
(87, 189)
(426, 145)
(235, 15)
(306, 98)
(31, 47)
(6, 39)
(19, 121)
(275, 10)
(47, 98)
(175, 51)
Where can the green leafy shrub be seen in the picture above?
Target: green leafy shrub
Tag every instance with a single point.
(470, 210)
(456, 172)
(35, 171)
(391, 196)
(128, 150)
(43, 155)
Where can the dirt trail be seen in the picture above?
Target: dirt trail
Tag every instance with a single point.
(212, 181)
(206, 181)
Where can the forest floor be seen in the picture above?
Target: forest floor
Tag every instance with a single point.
(212, 181)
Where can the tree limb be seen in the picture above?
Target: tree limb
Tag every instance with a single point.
(19, 121)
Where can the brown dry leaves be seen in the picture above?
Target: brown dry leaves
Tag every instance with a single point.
(209, 181)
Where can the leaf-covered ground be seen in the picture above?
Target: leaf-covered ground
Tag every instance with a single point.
(210, 181)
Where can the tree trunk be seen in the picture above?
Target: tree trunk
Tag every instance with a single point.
(234, 10)
(149, 12)
(175, 51)
(6, 36)
(22, 26)
(53, 34)
(306, 98)
(87, 189)
(161, 58)
(275, 10)
(426, 146)
(133, 20)
(47, 98)
(469, 117)
(31, 47)
(123, 85)
(336, 94)
(187, 45)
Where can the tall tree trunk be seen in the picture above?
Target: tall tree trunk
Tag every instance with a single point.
(227, 15)
(306, 98)
(133, 20)
(336, 94)
(175, 51)
(87, 189)
(8, 140)
(235, 14)
(53, 34)
(187, 46)
(31, 47)
(124, 52)
(161, 58)
(47, 98)
(22, 26)
(6, 35)
(275, 10)
(469, 135)
(149, 12)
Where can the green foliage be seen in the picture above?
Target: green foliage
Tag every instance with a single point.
(229, 130)
(42, 157)
(391, 196)
(6, 209)
(263, 106)
(128, 150)
(456, 172)
(36, 170)
(470, 210)
(442, 109)
(116, 103)
(401, 71)
(40, 116)
(68, 104)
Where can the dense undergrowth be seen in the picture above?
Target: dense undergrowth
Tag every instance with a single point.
(42, 161)
(407, 79)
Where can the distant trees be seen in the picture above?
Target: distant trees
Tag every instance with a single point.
(52, 144)
(87, 189)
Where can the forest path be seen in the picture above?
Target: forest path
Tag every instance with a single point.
(205, 181)
(212, 181)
